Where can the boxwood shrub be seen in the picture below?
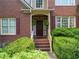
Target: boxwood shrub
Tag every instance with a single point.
(64, 47)
(66, 43)
(67, 32)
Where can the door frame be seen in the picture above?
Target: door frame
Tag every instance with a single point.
(49, 26)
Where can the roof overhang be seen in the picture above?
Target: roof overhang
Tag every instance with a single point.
(37, 11)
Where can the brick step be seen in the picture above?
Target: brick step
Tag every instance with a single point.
(44, 43)
(42, 46)
(40, 40)
(44, 49)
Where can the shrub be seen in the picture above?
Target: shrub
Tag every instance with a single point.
(21, 44)
(33, 54)
(30, 55)
(67, 32)
(64, 47)
(62, 32)
(75, 31)
(1, 50)
(4, 55)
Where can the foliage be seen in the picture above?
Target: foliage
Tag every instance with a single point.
(1, 50)
(30, 55)
(67, 32)
(33, 54)
(75, 31)
(64, 47)
(76, 51)
(46, 22)
(66, 43)
(33, 22)
(21, 44)
(22, 48)
(4, 55)
(62, 32)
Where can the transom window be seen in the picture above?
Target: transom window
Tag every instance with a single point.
(65, 21)
(39, 3)
(7, 26)
(64, 2)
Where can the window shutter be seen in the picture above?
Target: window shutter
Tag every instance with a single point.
(17, 26)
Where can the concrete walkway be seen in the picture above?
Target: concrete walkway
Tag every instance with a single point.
(52, 55)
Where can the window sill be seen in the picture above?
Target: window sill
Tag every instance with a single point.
(65, 5)
(9, 34)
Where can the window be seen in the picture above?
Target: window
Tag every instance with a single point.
(64, 2)
(8, 26)
(39, 3)
(65, 21)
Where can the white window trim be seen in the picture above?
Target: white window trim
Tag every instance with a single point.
(8, 29)
(42, 5)
(74, 21)
(68, 21)
(66, 4)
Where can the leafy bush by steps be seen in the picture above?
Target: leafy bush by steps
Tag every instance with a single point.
(4, 55)
(33, 54)
(21, 44)
(30, 55)
(22, 48)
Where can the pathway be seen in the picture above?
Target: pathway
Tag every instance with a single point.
(52, 55)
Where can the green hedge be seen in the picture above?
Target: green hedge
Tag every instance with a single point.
(67, 32)
(21, 44)
(64, 47)
(66, 43)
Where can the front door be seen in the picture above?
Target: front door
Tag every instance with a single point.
(39, 28)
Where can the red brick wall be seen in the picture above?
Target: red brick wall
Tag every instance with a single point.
(9, 8)
(51, 4)
(12, 8)
(65, 11)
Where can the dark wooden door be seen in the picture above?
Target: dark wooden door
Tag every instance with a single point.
(39, 28)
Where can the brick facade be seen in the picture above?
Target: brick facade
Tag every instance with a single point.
(12, 8)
